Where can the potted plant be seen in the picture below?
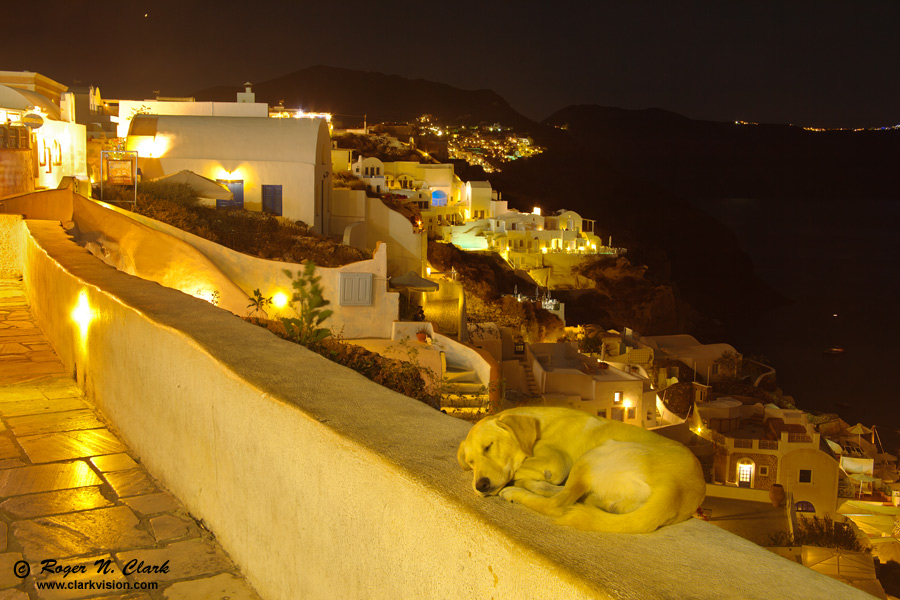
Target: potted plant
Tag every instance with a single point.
(422, 334)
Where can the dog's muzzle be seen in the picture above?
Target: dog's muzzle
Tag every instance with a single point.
(483, 485)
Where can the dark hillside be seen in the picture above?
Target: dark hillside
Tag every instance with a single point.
(348, 94)
(681, 244)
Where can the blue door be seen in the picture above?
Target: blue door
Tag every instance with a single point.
(271, 199)
(236, 187)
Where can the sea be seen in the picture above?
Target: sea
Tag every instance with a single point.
(838, 264)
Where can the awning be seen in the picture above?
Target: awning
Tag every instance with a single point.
(413, 283)
(205, 188)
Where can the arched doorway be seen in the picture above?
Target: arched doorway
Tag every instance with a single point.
(745, 472)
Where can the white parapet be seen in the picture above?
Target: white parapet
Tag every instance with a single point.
(321, 484)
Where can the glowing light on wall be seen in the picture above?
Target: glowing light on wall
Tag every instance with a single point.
(234, 175)
(279, 300)
(537, 210)
(82, 314)
(149, 146)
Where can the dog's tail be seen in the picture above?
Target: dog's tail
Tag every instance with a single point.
(665, 506)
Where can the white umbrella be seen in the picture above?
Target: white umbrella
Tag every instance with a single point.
(862, 478)
(859, 429)
(205, 188)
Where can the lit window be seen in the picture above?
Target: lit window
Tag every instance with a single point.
(745, 473)
(617, 397)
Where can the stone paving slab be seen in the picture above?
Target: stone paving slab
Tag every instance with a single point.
(72, 491)
(54, 503)
(51, 447)
(54, 422)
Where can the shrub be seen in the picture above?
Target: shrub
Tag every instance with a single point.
(311, 308)
(824, 533)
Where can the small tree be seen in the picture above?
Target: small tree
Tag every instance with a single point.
(824, 533)
(310, 305)
(259, 303)
(730, 364)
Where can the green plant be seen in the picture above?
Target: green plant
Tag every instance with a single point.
(824, 533)
(729, 365)
(259, 303)
(310, 306)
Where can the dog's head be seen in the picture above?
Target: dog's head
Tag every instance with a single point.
(495, 448)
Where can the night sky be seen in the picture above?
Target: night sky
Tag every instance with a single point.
(807, 62)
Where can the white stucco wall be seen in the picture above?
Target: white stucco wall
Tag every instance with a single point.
(177, 259)
(128, 108)
(61, 151)
(12, 245)
(822, 491)
(268, 276)
(292, 153)
(407, 248)
(321, 484)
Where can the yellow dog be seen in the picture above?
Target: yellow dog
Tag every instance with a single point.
(618, 477)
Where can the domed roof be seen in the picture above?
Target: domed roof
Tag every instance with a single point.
(16, 99)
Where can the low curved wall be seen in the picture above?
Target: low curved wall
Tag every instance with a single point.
(268, 276)
(154, 250)
(321, 484)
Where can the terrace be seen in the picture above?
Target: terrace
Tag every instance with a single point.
(320, 484)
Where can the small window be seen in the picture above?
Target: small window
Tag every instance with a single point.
(805, 476)
(632, 413)
(356, 289)
(271, 199)
(618, 396)
(764, 471)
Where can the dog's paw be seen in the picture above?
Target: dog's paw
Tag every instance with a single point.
(510, 493)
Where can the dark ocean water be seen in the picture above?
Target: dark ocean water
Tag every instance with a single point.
(829, 258)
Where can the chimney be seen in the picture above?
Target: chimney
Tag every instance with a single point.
(247, 95)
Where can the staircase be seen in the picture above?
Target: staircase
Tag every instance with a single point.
(533, 390)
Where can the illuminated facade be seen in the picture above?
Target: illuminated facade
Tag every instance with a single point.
(40, 143)
(761, 446)
(280, 166)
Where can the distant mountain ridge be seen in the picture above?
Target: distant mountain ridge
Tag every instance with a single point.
(350, 94)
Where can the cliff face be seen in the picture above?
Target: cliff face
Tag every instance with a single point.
(648, 308)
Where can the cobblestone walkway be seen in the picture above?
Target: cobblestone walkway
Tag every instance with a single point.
(72, 492)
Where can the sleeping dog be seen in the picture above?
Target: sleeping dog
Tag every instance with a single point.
(586, 471)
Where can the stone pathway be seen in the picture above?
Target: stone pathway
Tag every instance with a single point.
(72, 492)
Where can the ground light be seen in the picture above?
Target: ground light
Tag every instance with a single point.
(82, 314)
(279, 300)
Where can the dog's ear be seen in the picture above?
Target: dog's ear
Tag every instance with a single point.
(526, 430)
(461, 456)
